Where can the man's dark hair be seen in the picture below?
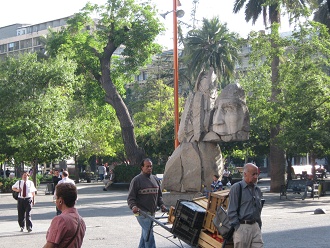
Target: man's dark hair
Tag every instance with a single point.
(68, 192)
(216, 176)
(143, 160)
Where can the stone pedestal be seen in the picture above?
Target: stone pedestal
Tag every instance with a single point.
(171, 198)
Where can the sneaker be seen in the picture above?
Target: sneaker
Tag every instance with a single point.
(29, 230)
(22, 229)
(104, 189)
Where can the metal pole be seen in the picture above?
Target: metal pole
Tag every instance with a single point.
(176, 74)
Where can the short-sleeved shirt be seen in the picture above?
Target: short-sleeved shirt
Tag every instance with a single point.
(30, 188)
(64, 227)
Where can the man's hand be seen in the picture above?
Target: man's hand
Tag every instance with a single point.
(163, 208)
(135, 209)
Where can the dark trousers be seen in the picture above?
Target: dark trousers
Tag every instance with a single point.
(24, 207)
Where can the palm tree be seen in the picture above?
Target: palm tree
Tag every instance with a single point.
(271, 11)
(211, 45)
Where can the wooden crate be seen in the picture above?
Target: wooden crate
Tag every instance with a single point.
(202, 201)
(207, 241)
(171, 216)
(217, 199)
(208, 222)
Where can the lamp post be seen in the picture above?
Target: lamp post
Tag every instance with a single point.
(176, 74)
(176, 14)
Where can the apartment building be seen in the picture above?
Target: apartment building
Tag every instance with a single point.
(21, 38)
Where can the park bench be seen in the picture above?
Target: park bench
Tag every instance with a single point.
(296, 186)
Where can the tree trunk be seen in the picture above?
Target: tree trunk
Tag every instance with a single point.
(277, 155)
(133, 152)
(289, 168)
(76, 169)
(277, 163)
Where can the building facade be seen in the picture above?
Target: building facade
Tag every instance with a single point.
(20, 38)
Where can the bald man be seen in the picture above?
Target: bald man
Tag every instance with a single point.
(246, 218)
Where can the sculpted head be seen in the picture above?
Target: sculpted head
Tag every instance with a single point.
(231, 117)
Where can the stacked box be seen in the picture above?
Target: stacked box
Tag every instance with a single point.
(202, 201)
(209, 240)
(190, 213)
(171, 216)
(216, 199)
(208, 222)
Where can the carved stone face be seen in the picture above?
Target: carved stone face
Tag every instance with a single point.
(231, 118)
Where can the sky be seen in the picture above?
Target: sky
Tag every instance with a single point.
(37, 11)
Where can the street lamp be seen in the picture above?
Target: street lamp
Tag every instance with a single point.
(176, 14)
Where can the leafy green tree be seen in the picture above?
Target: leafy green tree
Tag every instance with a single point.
(304, 82)
(211, 45)
(122, 25)
(36, 100)
(271, 10)
(306, 126)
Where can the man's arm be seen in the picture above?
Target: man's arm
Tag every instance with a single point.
(49, 245)
(233, 206)
(131, 198)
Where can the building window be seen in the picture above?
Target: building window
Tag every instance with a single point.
(26, 43)
(13, 46)
(144, 75)
(3, 48)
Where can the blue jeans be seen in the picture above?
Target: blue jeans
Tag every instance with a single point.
(146, 225)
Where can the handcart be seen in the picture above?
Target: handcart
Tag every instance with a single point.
(187, 225)
(192, 222)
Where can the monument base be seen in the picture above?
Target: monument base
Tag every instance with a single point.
(171, 198)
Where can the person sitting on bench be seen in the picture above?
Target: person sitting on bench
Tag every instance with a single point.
(309, 186)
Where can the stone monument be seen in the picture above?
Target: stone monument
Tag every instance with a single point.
(207, 120)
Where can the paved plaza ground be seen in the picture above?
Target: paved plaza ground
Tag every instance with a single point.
(289, 223)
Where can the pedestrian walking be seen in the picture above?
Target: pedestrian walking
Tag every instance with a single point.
(25, 201)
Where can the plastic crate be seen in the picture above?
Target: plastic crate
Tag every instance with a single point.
(190, 213)
(186, 233)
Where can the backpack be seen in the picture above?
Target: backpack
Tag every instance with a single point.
(15, 194)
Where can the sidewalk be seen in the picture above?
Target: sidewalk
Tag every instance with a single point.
(286, 223)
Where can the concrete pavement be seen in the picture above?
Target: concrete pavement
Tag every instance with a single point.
(287, 223)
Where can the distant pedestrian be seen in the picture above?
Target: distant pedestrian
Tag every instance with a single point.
(109, 180)
(25, 201)
(68, 229)
(65, 179)
(56, 178)
(102, 172)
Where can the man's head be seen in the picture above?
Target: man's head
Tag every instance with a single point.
(66, 193)
(146, 166)
(65, 174)
(215, 177)
(25, 175)
(250, 173)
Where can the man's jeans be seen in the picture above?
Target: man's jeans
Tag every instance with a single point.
(146, 224)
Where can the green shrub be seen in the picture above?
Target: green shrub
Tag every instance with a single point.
(125, 173)
(6, 184)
